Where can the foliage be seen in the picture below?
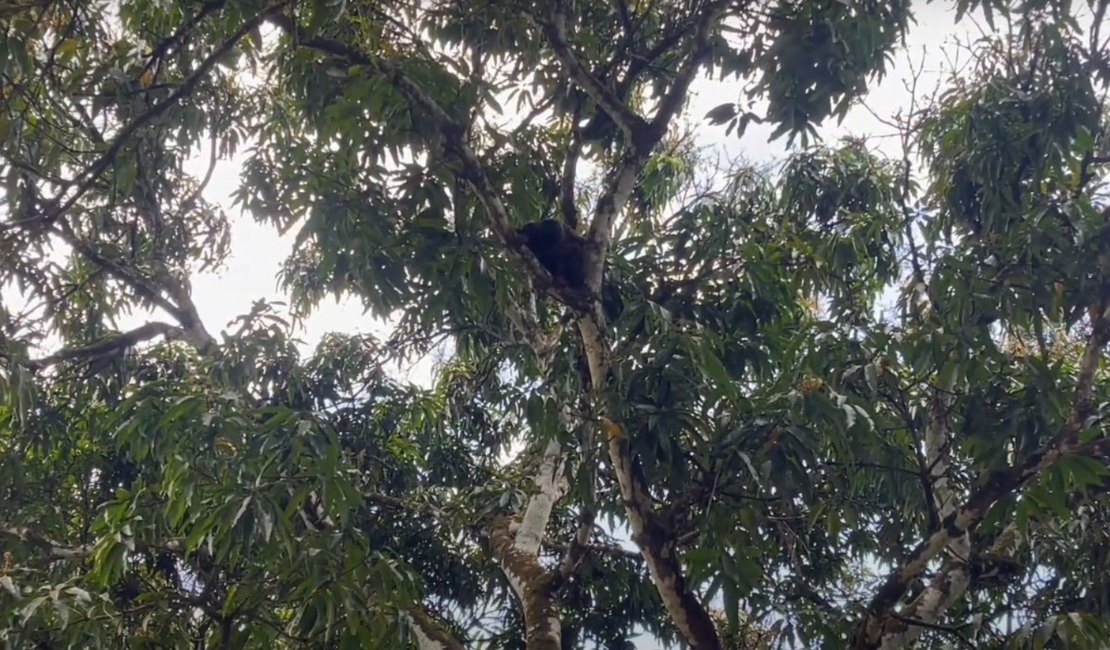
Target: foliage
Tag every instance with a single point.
(815, 367)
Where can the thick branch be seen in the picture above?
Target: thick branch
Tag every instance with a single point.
(520, 559)
(655, 541)
(580, 545)
(550, 486)
(954, 577)
(532, 584)
(659, 549)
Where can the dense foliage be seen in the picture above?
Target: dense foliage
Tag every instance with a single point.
(848, 401)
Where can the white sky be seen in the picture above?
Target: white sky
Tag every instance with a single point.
(257, 250)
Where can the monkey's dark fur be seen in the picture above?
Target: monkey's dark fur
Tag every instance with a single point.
(561, 250)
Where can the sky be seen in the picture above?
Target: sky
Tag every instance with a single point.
(257, 250)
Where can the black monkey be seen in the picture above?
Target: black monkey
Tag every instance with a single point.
(561, 250)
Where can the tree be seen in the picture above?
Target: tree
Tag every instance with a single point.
(793, 464)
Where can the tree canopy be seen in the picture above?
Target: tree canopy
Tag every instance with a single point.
(851, 400)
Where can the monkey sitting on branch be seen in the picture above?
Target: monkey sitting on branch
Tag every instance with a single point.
(559, 249)
(566, 256)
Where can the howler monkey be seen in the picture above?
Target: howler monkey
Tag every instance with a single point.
(561, 250)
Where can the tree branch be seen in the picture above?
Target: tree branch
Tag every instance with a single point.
(163, 48)
(566, 189)
(555, 31)
(610, 550)
(184, 312)
(55, 550)
(658, 546)
(680, 87)
(52, 549)
(531, 583)
(110, 345)
(86, 179)
(997, 486)
(656, 543)
(623, 179)
(950, 631)
(429, 633)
